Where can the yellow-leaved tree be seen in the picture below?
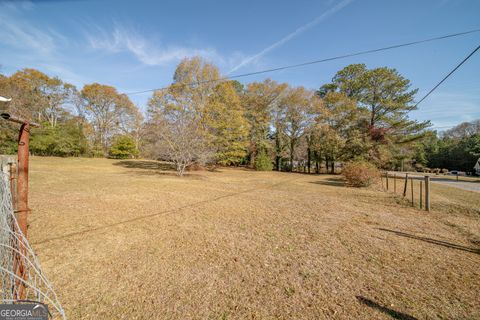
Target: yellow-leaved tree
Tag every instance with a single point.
(228, 128)
(109, 112)
(260, 99)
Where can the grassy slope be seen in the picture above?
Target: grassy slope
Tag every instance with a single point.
(135, 242)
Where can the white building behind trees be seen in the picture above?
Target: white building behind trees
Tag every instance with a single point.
(477, 167)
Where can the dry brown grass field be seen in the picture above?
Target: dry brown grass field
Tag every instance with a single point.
(129, 240)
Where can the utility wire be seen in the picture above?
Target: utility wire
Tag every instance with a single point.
(318, 61)
(443, 127)
(448, 75)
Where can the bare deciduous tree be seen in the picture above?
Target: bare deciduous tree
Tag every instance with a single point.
(179, 139)
(175, 115)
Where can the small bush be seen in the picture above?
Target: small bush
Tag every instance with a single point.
(96, 152)
(360, 173)
(263, 162)
(123, 148)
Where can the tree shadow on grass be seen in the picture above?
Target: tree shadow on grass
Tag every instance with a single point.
(392, 313)
(334, 182)
(433, 241)
(152, 167)
(147, 165)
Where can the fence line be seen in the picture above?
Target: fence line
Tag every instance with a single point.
(424, 196)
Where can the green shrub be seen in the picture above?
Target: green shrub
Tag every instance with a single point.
(360, 173)
(96, 152)
(64, 140)
(123, 147)
(263, 162)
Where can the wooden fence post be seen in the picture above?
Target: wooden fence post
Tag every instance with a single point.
(411, 187)
(405, 186)
(13, 183)
(395, 183)
(386, 175)
(421, 191)
(427, 193)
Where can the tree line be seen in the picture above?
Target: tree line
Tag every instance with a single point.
(88, 122)
(203, 119)
(454, 149)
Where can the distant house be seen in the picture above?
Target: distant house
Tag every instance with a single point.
(477, 167)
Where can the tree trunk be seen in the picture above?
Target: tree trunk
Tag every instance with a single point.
(252, 155)
(292, 150)
(277, 151)
(308, 159)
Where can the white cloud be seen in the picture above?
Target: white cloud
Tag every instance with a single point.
(292, 35)
(26, 45)
(19, 33)
(150, 53)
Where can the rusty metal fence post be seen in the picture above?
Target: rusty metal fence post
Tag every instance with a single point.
(21, 202)
(22, 184)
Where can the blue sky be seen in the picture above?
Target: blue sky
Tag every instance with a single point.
(135, 45)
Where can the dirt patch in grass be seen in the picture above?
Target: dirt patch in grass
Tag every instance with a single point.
(120, 241)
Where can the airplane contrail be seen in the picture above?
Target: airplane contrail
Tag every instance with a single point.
(292, 35)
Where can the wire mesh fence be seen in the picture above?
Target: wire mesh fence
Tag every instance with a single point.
(21, 277)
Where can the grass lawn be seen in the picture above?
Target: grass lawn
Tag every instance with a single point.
(129, 240)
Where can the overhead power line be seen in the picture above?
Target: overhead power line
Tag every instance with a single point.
(443, 127)
(318, 61)
(449, 74)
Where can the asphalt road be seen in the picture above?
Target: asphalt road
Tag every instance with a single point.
(470, 186)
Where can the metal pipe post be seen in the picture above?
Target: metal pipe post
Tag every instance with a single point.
(21, 202)
(22, 183)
